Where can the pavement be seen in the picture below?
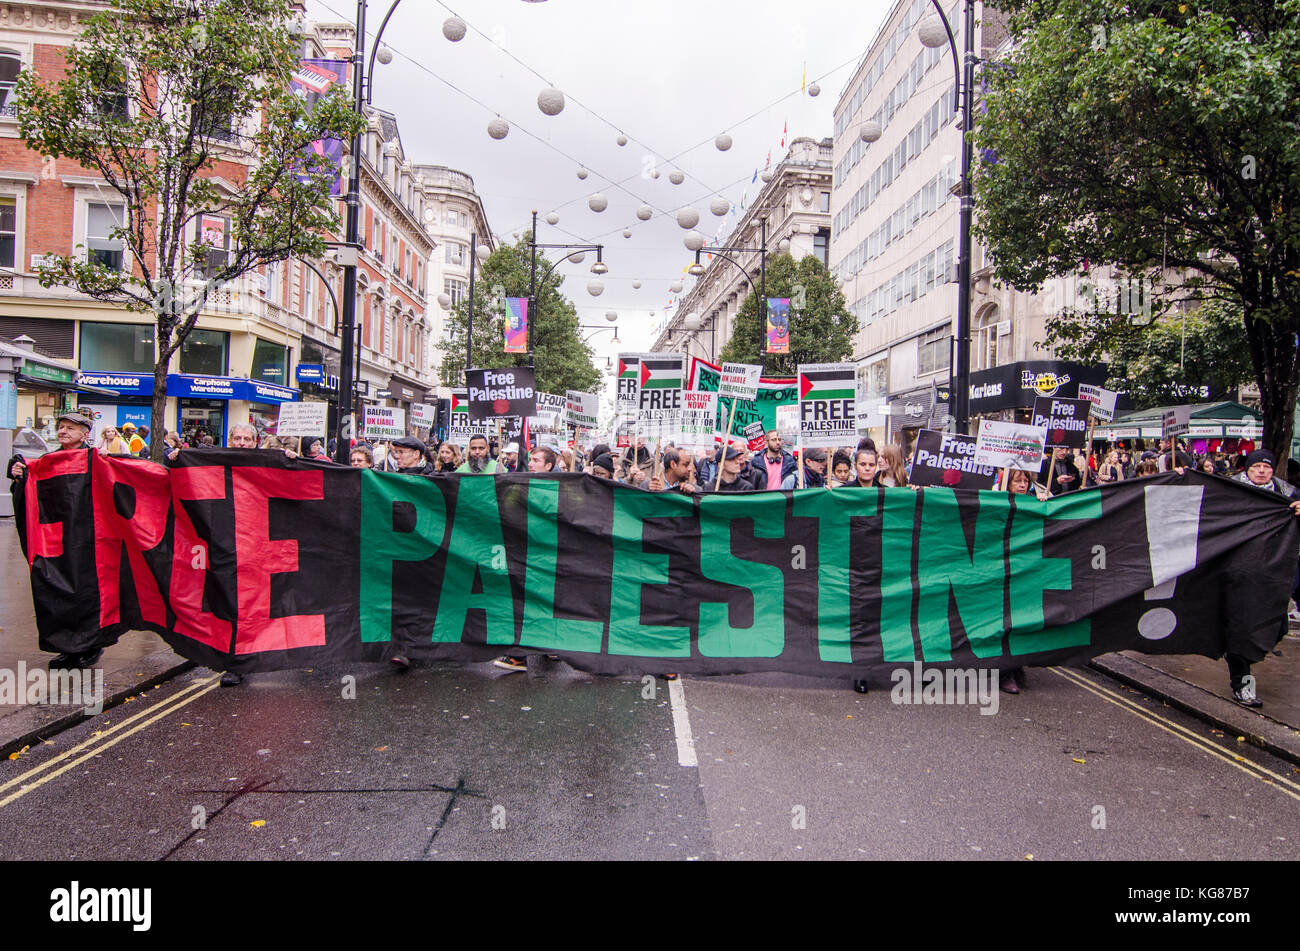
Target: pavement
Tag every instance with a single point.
(141, 662)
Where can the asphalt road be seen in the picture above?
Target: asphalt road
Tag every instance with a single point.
(472, 763)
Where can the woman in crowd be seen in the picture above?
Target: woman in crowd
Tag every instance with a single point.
(1147, 467)
(892, 471)
(566, 460)
(841, 469)
(1019, 483)
(448, 458)
(1110, 470)
(110, 443)
(864, 469)
(362, 457)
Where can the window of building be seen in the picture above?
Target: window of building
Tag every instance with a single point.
(111, 99)
(214, 119)
(204, 352)
(102, 246)
(454, 253)
(456, 218)
(270, 362)
(120, 347)
(8, 230)
(933, 352)
(825, 204)
(821, 245)
(213, 232)
(11, 64)
(454, 289)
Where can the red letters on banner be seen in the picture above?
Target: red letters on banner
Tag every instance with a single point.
(190, 557)
(143, 531)
(45, 539)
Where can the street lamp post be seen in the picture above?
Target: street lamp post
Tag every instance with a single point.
(931, 37)
(698, 269)
(599, 267)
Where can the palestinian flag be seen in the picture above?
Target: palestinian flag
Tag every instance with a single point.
(460, 402)
(628, 366)
(827, 383)
(664, 373)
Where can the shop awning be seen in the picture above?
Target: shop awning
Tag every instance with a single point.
(1225, 420)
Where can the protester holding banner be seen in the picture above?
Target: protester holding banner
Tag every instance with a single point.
(644, 461)
(409, 455)
(509, 459)
(892, 470)
(774, 463)
(1059, 463)
(602, 466)
(448, 458)
(735, 476)
(541, 459)
(362, 457)
(841, 469)
(677, 474)
(814, 470)
(864, 469)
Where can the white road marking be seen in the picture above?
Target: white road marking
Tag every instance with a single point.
(682, 724)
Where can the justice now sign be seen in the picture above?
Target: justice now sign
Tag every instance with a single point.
(252, 561)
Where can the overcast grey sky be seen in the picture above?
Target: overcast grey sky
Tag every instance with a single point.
(670, 75)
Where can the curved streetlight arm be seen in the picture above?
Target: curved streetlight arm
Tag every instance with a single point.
(333, 299)
(370, 66)
(737, 265)
(956, 59)
(598, 248)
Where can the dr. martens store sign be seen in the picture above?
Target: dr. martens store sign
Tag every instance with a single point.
(1017, 385)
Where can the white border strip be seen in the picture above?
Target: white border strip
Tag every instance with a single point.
(682, 724)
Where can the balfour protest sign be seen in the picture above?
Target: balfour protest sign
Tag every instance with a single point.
(629, 383)
(826, 395)
(384, 422)
(1175, 421)
(550, 411)
(739, 380)
(659, 394)
(581, 410)
(302, 419)
(1065, 420)
(616, 580)
(508, 392)
(1102, 400)
(948, 459)
(423, 414)
(1010, 445)
(699, 426)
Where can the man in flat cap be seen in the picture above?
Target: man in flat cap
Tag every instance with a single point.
(409, 454)
(72, 432)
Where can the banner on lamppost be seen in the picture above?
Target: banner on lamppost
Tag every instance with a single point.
(311, 81)
(778, 325)
(516, 325)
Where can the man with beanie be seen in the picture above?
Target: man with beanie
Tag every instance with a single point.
(1259, 473)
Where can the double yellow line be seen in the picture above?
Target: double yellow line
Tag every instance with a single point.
(105, 739)
(1262, 773)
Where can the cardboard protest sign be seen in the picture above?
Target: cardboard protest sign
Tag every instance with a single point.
(1175, 421)
(1065, 420)
(629, 383)
(699, 422)
(827, 392)
(659, 394)
(948, 459)
(507, 392)
(755, 437)
(384, 422)
(581, 409)
(1102, 400)
(423, 414)
(1010, 445)
(739, 380)
(550, 412)
(302, 419)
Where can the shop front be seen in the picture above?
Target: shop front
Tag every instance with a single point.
(317, 376)
(1008, 392)
(922, 408)
(132, 403)
(208, 405)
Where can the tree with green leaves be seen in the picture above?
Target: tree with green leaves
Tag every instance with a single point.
(1167, 361)
(1156, 136)
(562, 359)
(821, 326)
(155, 94)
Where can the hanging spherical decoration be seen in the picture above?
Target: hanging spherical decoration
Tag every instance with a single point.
(627, 233)
(676, 177)
(598, 202)
(611, 315)
(652, 313)
(550, 101)
(691, 321)
(931, 32)
(723, 142)
(595, 288)
(675, 286)
(765, 175)
(578, 258)
(498, 128)
(688, 218)
(621, 140)
(814, 90)
(719, 206)
(582, 174)
(693, 241)
(384, 55)
(870, 131)
(444, 301)
(645, 212)
(636, 285)
(654, 173)
(453, 28)
(552, 219)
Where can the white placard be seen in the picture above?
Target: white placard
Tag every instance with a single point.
(302, 419)
(1174, 422)
(699, 426)
(739, 380)
(827, 394)
(384, 422)
(581, 409)
(1102, 400)
(423, 414)
(1010, 445)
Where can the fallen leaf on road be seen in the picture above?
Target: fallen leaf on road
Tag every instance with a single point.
(1239, 759)
(1241, 739)
(1029, 856)
(1078, 760)
(257, 823)
(380, 749)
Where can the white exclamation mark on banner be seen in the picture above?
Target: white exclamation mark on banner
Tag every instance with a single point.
(1173, 521)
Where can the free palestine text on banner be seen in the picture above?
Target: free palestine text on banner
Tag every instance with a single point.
(248, 560)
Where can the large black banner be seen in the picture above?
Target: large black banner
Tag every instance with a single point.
(244, 559)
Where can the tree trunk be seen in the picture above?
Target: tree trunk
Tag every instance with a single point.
(158, 416)
(1274, 355)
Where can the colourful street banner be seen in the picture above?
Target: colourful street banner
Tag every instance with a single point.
(778, 325)
(516, 325)
(827, 392)
(248, 560)
(312, 80)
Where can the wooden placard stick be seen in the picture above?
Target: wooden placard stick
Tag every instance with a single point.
(726, 443)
